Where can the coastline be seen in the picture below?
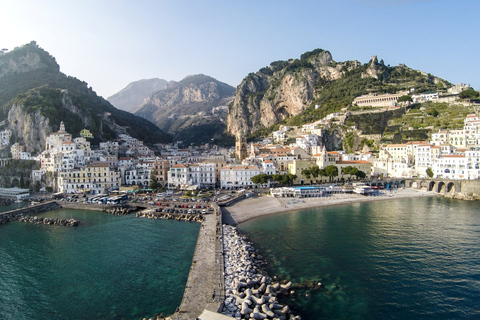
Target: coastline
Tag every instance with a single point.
(259, 206)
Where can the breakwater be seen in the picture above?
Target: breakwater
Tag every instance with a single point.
(204, 290)
(16, 214)
(152, 214)
(49, 221)
(250, 292)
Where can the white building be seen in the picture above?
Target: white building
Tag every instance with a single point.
(138, 176)
(237, 176)
(5, 136)
(178, 176)
(279, 136)
(387, 167)
(61, 154)
(268, 167)
(202, 175)
(307, 141)
(423, 159)
(465, 166)
(425, 97)
(95, 178)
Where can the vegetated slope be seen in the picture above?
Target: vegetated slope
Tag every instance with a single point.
(192, 110)
(35, 97)
(288, 91)
(134, 94)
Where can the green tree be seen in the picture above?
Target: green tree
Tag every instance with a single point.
(360, 174)
(284, 179)
(468, 94)
(22, 182)
(349, 170)
(261, 178)
(153, 180)
(313, 171)
(306, 173)
(331, 171)
(429, 172)
(405, 98)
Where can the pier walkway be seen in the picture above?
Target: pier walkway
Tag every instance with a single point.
(206, 274)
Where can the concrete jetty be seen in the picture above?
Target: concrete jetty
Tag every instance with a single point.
(205, 289)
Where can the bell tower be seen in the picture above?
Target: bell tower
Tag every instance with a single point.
(240, 146)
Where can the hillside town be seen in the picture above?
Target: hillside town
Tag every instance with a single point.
(70, 165)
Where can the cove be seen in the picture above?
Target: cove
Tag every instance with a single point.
(109, 267)
(413, 258)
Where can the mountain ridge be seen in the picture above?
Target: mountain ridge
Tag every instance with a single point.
(188, 105)
(291, 88)
(134, 94)
(35, 97)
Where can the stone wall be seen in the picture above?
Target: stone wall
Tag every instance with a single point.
(471, 187)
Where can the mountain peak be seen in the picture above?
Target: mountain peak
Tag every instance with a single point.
(27, 58)
(133, 95)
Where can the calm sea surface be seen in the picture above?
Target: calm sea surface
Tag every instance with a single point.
(399, 259)
(109, 267)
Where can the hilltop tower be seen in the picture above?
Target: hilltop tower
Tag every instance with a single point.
(240, 146)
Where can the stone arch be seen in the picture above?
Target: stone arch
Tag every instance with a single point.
(450, 188)
(15, 182)
(441, 187)
(413, 184)
(423, 184)
(431, 186)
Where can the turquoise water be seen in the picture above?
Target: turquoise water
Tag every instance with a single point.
(13, 206)
(399, 259)
(110, 267)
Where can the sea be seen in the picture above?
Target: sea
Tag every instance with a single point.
(413, 258)
(109, 267)
(400, 259)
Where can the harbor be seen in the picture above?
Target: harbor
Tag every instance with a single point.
(207, 294)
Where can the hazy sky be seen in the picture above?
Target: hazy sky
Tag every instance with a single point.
(109, 44)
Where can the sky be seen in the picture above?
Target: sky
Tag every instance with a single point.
(109, 44)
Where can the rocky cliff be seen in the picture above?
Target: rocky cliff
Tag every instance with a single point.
(31, 129)
(188, 107)
(286, 89)
(282, 90)
(35, 97)
(134, 94)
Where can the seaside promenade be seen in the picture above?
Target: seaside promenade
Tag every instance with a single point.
(254, 207)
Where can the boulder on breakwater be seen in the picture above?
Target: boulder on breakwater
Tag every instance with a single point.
(152, 214)
(120, 211)
(250, 293)
(50, 221)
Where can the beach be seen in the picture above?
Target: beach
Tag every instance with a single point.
(258, 206)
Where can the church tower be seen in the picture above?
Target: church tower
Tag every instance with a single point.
(240, 146)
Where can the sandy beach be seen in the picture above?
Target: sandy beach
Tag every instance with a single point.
(254, 207)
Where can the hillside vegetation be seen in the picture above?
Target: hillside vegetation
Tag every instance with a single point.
(300, 91)
(30, 77)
